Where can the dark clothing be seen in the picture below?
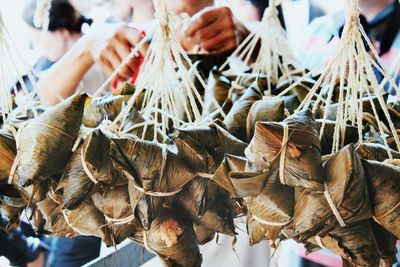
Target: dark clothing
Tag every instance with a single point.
(16, 247)
(71, 252)
(261, 5)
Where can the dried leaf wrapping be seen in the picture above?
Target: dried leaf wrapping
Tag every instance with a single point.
(384, 187)
(12, 214)
(214, 139)
(347, 185)
(194, 154)
(203, 234)
(351, 135)
(74, 186)
(46, 142)
(207, 205)
(355, 243)
(291, 103)
(232, 176)
(372, 151)
(96, 154)
(87, 220)
(258, 232)
(174, 241)
(115, 205)
(236, 119)
(134, 124)
(217, 90)
(302, 162)
(105, 107)
(272, 207)
(386, 245)
(33, 193)
(267, 109)
(8, 151)
(152, 169)
(9, 195)
(309, 202)
(55, 223)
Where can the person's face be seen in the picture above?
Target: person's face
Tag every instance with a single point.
(51, 45)
(190, 7)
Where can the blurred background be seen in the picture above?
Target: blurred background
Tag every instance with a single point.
(101, 10)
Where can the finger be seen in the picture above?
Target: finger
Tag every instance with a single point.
(201, 20)
(111, 56)
(115, 61)
(120, 78)
(105, 65)
(223, 23)
(123, 51)
(132, 64)
(207, 32)
(226, 47)
(125, 71)
(121, 47)
(216, 42)
(132, 37)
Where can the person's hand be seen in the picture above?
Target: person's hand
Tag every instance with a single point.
(110, 44)
(214, 30)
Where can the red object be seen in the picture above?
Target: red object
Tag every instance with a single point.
(114, 83)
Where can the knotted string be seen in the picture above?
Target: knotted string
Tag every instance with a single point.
(333, 208)
(274, 57)
(262, 221)
(285, 140)
(351, 65)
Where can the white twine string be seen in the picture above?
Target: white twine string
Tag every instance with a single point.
(275, 55)
(86, 168)
(150, 193)
(352, 64)
(121, 221)
(16, 160)
(14, 67)
(282, 159)
(164, 81)
(277, 224)
(333, 208)
(64, 212)
(319, 242)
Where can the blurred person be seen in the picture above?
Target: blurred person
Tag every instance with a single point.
(213, 29)
(381, 21)
(19, 249)
(244, 10)
(64, 30)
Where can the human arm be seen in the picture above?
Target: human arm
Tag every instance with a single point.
(214, 29)
(106, 45)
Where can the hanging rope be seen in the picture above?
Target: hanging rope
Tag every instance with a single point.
(41, 17)
(164, 84)
(351, 69)
(275, 58)
(13, 69)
